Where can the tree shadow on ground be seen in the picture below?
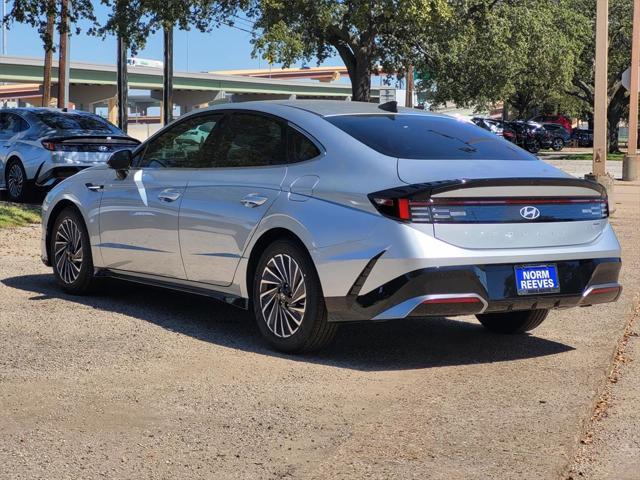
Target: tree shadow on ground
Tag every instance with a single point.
(366, 346)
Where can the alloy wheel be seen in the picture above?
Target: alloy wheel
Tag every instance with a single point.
(283, 295)
(68, 251)
(15, 180)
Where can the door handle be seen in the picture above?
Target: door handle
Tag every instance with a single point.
(169, 195)
(93, 187)
(253, 200)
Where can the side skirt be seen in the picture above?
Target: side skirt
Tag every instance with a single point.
(171, 284)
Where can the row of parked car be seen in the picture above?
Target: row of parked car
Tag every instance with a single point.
(542, 132)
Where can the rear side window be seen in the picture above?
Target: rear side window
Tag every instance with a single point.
(300, 147)
(250, 140)
(10, 124)
(74, 121)
(427, 137)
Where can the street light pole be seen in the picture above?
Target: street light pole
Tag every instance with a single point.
(122, 84)
(167, 89)
(630, 162)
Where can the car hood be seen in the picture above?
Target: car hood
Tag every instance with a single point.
(423, 171)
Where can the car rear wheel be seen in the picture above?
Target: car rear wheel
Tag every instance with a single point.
(513, 322)
(557, 144)
(70, 253)
(288, 302)
(18, 187)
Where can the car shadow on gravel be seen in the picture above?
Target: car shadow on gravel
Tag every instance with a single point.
(367, 346)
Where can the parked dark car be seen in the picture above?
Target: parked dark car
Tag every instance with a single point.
(529, 135)
(559, 119)
(583, 137)
(558, 136)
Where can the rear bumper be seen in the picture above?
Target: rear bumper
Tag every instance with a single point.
(56, 174)
(472, 289)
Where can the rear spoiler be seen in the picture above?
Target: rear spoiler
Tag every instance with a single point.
(119, 139)
(424, 191)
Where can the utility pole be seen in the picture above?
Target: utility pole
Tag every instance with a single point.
(63, 59)
(48, 55)
(630, 162)
(4, 29)
(167, 87)
(122, 84)
(601, 86)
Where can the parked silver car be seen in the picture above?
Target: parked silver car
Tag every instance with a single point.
(313, 213)
(42, 146)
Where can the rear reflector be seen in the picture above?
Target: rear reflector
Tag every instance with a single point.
(452, 300)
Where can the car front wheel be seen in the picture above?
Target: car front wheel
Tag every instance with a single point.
(288, 302)
(18, 187)
(70, 253)
(513, 322)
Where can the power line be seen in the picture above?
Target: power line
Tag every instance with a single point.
(246, 20)
(237, 27)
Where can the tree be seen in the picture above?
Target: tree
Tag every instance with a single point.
(361, 32)
(522, 53)
(44, 16)
(582, 88)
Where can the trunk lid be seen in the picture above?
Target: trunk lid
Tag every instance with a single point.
(494, 204)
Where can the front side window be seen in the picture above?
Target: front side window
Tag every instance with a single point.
(427, 137)
(184, 145)
(249, 140)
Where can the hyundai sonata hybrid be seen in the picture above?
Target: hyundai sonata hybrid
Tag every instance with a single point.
(42, 146)
(313, 213)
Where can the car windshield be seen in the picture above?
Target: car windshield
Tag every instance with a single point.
(74, 121)
(427, 137)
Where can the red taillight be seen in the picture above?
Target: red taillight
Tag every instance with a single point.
(403, 209)
(49, 145)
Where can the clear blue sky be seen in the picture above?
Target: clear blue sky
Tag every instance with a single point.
(223, 49)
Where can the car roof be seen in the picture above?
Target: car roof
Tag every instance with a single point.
(323, 108)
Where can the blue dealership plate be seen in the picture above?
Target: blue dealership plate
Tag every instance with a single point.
(535, 279)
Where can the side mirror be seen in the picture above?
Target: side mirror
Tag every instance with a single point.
(120, 160)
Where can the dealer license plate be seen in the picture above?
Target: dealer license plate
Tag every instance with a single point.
(536, 279)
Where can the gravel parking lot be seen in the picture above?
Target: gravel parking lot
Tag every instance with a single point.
(143, 383)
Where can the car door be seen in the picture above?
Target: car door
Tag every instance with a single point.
(223, 205)
(139, 212)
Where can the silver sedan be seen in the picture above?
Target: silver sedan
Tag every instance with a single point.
(41, 146)
(313, 213)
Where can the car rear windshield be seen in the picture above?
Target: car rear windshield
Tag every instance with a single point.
(427, 137)
(74, 121)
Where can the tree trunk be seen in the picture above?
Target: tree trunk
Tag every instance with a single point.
(167, 87)
(48, 56)
(62, 59)
(122, 84)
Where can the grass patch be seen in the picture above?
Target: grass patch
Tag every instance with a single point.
(589, 156)
(12, 215)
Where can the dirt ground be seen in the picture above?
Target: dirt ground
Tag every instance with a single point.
(139, 383)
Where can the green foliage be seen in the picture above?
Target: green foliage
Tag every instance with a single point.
(35, 13)
(17, 215)
(361, 32)
(522, 51)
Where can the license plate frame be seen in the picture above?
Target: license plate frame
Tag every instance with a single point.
(539, 282)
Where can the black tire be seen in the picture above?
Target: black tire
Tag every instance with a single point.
(557, 144)
(534, 147)
(19, 188)
(75, 277)
(513, 322)
(277, 312)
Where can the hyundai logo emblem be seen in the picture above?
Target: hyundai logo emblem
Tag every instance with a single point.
(530, 213)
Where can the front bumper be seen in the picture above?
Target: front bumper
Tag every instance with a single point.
(473, 289)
